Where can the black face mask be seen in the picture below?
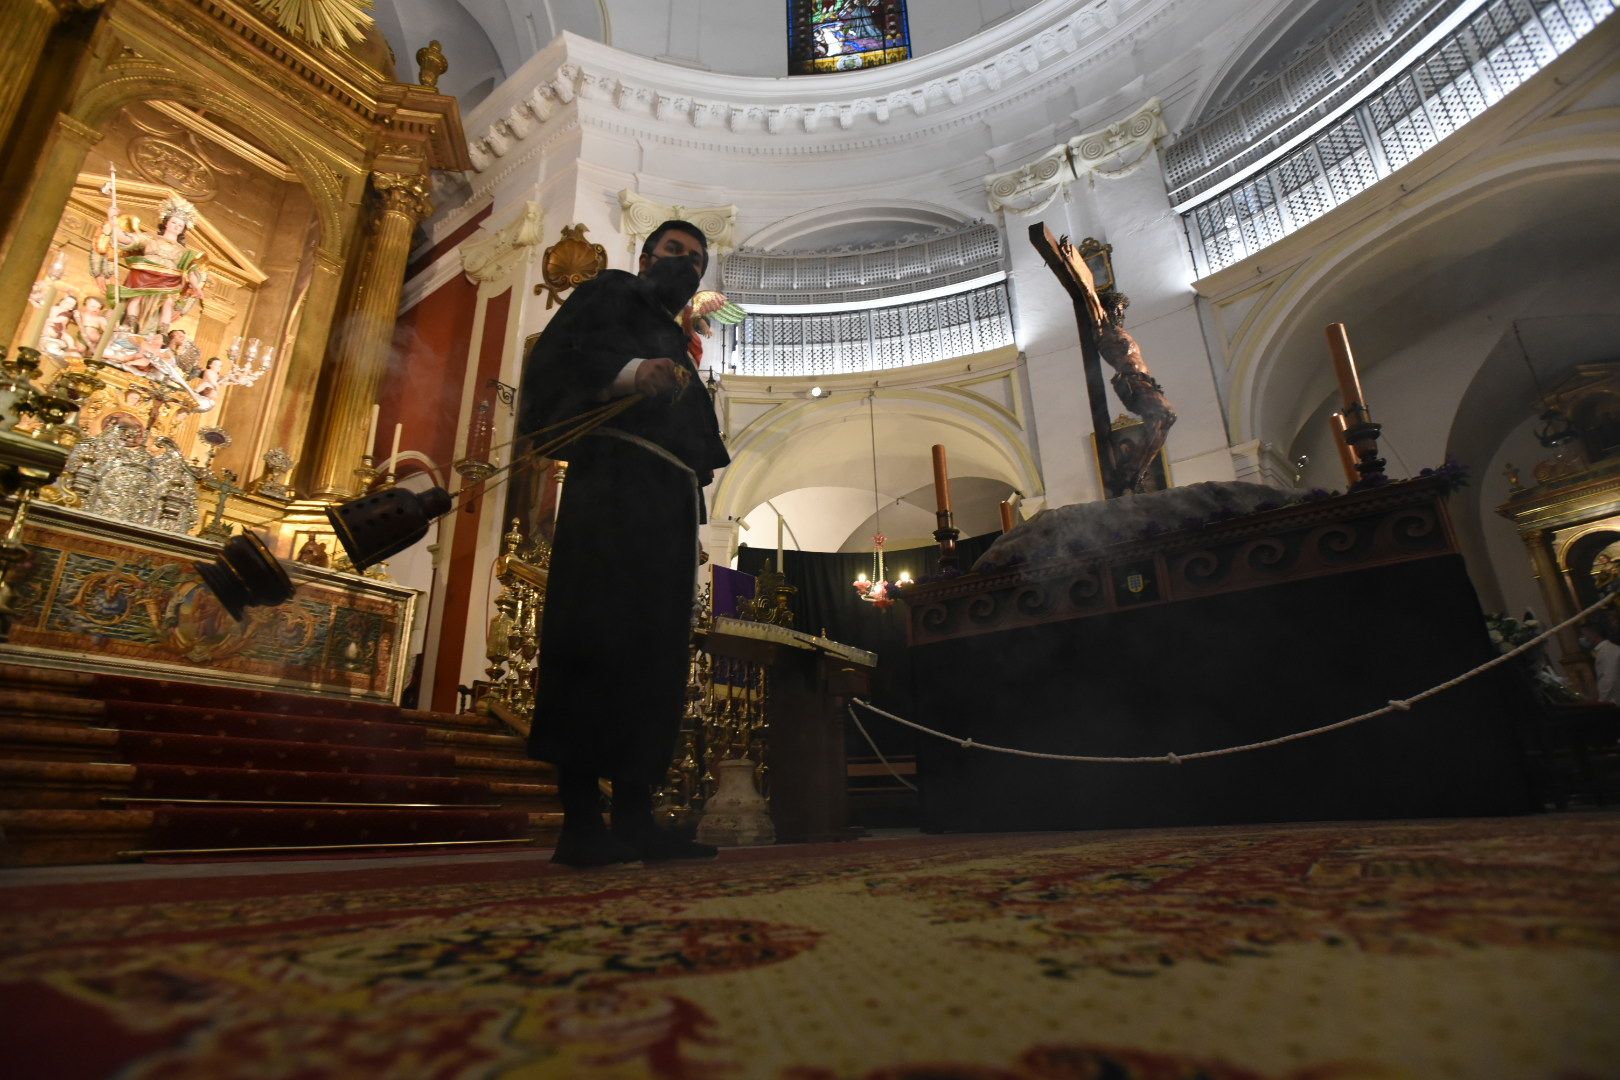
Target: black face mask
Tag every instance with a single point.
(673, 281)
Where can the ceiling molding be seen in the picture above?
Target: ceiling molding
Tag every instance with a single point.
(895, 103)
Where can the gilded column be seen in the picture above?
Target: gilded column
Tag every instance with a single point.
(368, 328)
(24, 27)
(25, 256)
(1560, 606)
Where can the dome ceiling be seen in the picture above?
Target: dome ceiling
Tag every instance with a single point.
(487, 40)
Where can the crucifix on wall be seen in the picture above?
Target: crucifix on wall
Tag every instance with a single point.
(1125, 455)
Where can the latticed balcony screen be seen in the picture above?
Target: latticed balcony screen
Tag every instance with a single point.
(914, 265)
(1496, 47)
(874, 339)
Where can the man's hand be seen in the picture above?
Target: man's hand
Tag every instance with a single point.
(658, 377)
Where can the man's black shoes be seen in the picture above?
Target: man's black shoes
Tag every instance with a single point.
(653, 844)
(584, 850)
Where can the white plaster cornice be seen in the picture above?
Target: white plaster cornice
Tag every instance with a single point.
(1112, 153)
(809, 114)
(493, 254)
(642, 215)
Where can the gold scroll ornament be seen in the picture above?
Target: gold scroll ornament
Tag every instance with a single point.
(569, 263)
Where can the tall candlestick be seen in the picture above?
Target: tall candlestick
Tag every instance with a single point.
(1344, 366)
(942, 485)
(1006, 517)
(1347, 457)
(394, 451)
(779, 527)
(371, 431)
(34, 328)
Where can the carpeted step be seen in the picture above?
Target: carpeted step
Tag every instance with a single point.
(50, 680)
(48, 837)
(272, 785)
(503, 768)
(29, 741)
(48, 706)
(245, 699)
(162, 748)
(61, 785)
(477, 742)
(230, 723)
(215, 828)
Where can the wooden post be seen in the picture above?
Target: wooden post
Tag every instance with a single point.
(1361, 433)
(946, 533)
(1347, 457)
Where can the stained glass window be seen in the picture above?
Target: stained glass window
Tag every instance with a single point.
(843, 35)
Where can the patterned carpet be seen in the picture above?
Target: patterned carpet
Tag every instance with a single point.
(1322, 952)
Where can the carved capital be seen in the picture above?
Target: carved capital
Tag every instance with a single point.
(493, 254)
(1119, 149)
(642, 215)
(398, 193)
(77, 130)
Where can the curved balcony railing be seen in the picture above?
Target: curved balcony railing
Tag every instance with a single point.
(928, 297)
(856, 275)
(1415, 77)
(783, 345)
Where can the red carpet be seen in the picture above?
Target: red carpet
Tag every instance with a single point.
(185, 720)
(1436, 949)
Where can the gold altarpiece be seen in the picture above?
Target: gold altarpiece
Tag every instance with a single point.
(353, 147)
(1568, 515)
(307, 168)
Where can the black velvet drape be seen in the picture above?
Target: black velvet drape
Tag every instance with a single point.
(827, 600)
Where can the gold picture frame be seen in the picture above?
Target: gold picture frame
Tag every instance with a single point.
(1158, 476)
(1099, 259)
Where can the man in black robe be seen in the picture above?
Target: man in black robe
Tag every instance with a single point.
(617, 620)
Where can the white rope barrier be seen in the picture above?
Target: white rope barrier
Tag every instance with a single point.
(1396, 705)
(862, 729)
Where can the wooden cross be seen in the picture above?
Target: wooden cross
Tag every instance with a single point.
(1075, 276)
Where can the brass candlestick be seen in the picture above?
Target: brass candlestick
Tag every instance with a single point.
(949, 561)
(474, 471)
(17, 390)
(366, 473)
(26, 464)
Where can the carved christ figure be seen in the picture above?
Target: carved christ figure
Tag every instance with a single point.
(1124, 462)
(1138, 390)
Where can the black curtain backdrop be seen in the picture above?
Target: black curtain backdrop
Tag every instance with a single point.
(827, 601)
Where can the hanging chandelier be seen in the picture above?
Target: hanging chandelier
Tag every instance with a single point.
(877, 589)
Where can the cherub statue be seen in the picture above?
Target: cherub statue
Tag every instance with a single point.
(165, 278)
(57, 338)
(91, 318)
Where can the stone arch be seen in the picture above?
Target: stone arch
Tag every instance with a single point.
(1277, 362)
(801, 443)
(892, 215)
(153, 82)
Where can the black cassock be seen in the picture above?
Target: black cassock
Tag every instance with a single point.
(617, 620)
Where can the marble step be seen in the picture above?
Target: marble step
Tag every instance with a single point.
(50, 837)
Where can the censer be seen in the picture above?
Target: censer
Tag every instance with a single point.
(246, 573)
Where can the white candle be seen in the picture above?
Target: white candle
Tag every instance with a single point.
(35, 327)
(779, 527)
(371, 434)
(394, 453)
